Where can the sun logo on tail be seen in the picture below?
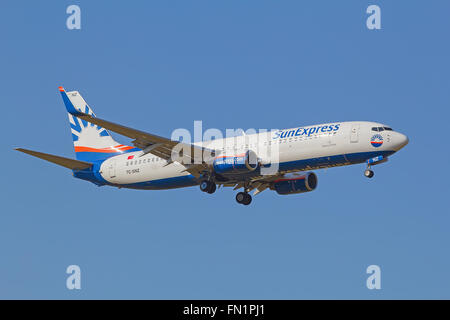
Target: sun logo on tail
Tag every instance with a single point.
(82, 128)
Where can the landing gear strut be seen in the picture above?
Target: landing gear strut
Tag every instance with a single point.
(208, 186)
(243, 198)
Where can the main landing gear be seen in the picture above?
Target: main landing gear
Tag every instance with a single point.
(208, 186)
(243, 198)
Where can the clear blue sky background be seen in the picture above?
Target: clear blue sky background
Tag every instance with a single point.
(160, 65)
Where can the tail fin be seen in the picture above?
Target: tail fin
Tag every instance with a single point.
(90, 141)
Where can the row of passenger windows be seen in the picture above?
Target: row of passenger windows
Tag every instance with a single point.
(300, 138)
(378, 129)
(135, 162)
(284, 140)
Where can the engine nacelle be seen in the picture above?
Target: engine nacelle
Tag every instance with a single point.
(241, 163)
(293, 183)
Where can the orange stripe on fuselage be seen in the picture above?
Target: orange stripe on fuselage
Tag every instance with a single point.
(287, 179)
(237, 156)
(115, 149)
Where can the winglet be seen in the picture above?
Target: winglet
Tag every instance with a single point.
(69, 105)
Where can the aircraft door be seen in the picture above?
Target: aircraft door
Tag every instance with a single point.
(326, 139)
(112, 169)
(354, 133)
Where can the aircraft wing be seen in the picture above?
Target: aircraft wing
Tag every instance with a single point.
(157, 145)
(151, 143)
(258, 183)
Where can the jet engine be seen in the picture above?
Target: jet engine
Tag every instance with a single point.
(241, 163)
(297, 182)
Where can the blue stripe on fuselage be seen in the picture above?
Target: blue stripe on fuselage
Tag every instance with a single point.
(342, 159)
(163, 184)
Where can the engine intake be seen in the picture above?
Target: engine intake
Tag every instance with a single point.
(241, 163)
(293, 183)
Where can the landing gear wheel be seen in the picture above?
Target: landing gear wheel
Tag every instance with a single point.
(208, 186)
(212, 187)
(204, 185)
(368, 173)
(243, 198)
(248, 199)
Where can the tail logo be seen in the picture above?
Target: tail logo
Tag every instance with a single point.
(82, 128)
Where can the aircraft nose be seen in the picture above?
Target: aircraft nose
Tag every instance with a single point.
(401, 140)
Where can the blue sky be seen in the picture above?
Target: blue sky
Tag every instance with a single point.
(160, 65)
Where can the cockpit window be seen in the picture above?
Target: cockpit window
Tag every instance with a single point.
(375, 129)
(380, 129)
(388, 129)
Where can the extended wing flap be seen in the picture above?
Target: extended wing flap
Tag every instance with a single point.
(261, 188)
(196, 170)
(62, 161)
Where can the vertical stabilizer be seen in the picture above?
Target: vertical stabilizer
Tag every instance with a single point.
(90, 141)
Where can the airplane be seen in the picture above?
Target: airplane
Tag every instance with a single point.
(280, 160)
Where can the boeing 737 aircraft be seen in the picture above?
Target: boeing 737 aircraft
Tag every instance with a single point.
(248, 161)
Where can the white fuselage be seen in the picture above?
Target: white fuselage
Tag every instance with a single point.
(348, 144)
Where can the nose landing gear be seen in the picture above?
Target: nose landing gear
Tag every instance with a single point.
(369, 173)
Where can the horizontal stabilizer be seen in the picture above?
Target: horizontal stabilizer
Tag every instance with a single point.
(65, 162)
